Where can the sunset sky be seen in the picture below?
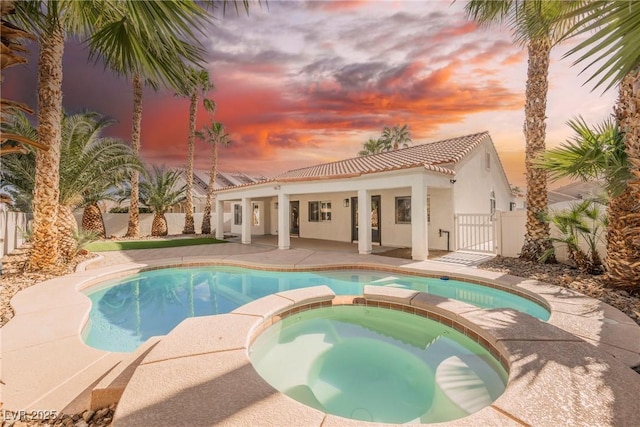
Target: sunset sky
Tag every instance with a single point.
(301, 83)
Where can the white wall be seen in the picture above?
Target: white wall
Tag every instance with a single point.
(395, 235)
(474, 183)
(116, 223)
(442, 218)
(11, 224)
(338, 229)
(511, 228)
(511, 231)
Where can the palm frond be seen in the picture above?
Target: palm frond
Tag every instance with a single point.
(611, 50)
(592, 153)
(159, 192)
(155, 39)
(89, 164)
(527, 19)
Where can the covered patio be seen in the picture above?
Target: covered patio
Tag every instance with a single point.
(344, 193)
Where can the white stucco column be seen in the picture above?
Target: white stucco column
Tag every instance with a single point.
(364, 222)
(246, 220)
(284, 212)
(419, 232)
(219, 219)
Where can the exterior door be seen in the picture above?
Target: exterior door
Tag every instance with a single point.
(375, 219)
(294, 218)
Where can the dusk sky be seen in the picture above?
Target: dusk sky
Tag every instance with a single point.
(301, 83)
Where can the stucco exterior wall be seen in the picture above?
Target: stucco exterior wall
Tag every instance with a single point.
(263, 218)
(441, 218)
(474, 183)
(338, 229)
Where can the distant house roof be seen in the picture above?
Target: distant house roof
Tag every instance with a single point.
(223, 179)
(574, 191)
(431, 155)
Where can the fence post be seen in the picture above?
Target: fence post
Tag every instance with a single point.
(455, 232)
(497, 233)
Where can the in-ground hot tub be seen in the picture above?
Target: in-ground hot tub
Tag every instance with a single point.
(376, 364)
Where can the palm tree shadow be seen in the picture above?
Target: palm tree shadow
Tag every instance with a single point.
(570, 380)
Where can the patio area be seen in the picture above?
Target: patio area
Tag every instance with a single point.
(575, 368)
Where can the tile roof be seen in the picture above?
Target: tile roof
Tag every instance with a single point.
(431, 156)
(434, 156)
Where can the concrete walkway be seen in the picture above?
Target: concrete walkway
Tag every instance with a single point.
(47, 366)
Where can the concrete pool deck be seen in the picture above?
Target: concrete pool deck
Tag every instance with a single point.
(581, 373)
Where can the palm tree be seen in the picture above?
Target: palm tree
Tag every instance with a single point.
(591, 154)
(150, 38)
(596, 154)
(534, 24)
(89, 166)
(199, 83)
(145, 33)
(50, 22)
(613, 47)
(159, 193)
(215, 135)
(584, 221)
(169, 45)
(372, 146)
(396, 137)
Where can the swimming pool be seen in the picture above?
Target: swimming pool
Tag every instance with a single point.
(126, 312)
(375, 364)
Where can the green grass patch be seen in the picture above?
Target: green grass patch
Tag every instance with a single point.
(124, 245)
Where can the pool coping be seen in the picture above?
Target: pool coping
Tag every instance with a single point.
(42, 344)
(181, 369)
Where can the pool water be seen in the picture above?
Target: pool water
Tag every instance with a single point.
(375, 364)
(127, 312)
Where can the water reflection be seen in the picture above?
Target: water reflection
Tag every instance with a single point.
(152, 303)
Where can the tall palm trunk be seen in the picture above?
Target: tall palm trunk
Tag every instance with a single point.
(537, 236)
(623, 233)
(93, 221)
(133, 229)
(206, 219)
(67, 227)
(44, 253)
(189, 227)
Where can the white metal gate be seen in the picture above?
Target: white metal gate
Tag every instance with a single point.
(475, 232)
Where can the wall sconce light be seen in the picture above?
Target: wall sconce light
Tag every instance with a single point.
(453, 181)
(345, 203)
(276, 205)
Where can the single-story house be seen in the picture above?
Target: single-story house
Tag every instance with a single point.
(403, 198)
(201, 184)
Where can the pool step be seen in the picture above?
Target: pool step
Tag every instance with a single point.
(457, 377)
(110, 388)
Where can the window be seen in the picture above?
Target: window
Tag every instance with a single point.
(320, 211)
(237, 214)
(403, 210)
(492, 202)
(487, 160)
